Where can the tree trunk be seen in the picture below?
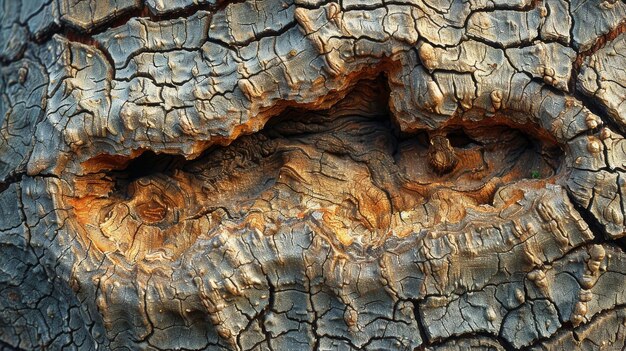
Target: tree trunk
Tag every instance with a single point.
(302, 174)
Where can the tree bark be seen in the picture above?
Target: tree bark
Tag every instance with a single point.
(302, 174)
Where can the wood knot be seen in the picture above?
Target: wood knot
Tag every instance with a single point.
(441, 155)
(152, 211)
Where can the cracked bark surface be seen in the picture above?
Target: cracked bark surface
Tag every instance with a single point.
(303, 174)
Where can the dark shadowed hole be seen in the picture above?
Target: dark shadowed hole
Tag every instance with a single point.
(459, 139)
(148, 163)
(421, 137)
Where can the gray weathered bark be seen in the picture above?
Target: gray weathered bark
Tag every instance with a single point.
(303, 174)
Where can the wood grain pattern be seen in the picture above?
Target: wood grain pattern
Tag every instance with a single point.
(303, 174)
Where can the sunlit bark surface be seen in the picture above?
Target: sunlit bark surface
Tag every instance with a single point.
(303, 174)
